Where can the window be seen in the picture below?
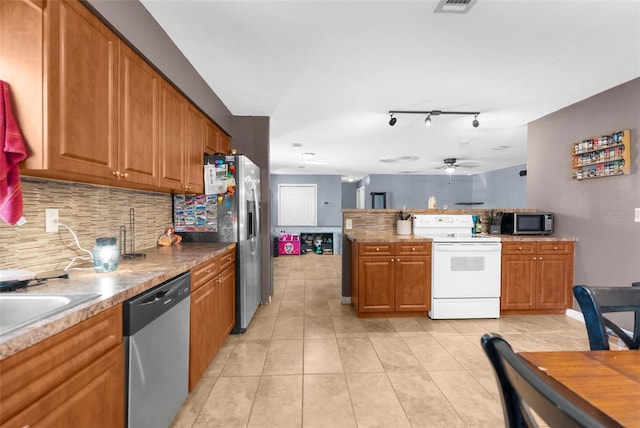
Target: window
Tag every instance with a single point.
(297, 205)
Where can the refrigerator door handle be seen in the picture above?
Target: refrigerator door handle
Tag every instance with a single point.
(256, 208)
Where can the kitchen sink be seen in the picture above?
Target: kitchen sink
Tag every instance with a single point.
(20, 309)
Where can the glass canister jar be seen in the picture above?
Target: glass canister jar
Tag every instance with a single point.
(105, 255)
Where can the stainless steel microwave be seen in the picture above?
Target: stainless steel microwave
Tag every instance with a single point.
(524, 223)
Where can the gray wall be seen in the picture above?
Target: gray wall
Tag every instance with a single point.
(329, 189)
(496, 189)
(502, 188)
(599, 212)
(348, 195)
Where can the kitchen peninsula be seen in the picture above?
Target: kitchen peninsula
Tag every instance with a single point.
(382, 271)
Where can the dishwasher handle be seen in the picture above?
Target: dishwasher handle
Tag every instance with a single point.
(141, 310)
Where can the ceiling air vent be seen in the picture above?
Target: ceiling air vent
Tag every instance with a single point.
(454, 6)
(399, 159)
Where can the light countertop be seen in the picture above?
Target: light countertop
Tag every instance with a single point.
(392, 237)
(132, 277)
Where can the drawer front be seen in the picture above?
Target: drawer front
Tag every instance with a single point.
(225, 260)
(555, 247)
(375, 249)
(203, 273)
(522, 247)
(413, 248)
(46, 365)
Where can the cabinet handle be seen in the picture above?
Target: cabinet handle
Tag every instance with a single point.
(534, 258)
(377, 249)
(555, 248)
(539, 258)
(413, 248)
(398, 259)
(392, 260)
(519, 248)
(125, 175)
(116, 173)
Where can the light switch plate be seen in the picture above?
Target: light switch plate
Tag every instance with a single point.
(348, 224)
(637, 215)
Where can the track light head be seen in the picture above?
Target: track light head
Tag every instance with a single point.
(430, 113)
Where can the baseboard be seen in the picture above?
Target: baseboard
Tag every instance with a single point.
(576, 315)
(345, 300)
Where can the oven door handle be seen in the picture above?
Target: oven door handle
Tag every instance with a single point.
(462, 246)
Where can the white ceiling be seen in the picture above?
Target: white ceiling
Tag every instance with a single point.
(327, 73)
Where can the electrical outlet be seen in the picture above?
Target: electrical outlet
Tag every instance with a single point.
(51, 220)
(637, 215)
(348, 224)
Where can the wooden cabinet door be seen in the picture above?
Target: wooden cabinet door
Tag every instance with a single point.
(194, 151)
(211, 138)
(412, 283)
(518, 279)
(376, 284)
(90, 398)
(224, 143)
(82, 105)
(172, 124)
(138, 113)
(554, 279)
(227, 304)
(203, 339)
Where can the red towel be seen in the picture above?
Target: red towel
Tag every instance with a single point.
(12, 152)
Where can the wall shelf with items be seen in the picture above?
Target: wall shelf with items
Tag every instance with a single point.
(602, 156)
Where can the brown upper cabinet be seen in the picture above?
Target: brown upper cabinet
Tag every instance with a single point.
(216, 141)
(90, 108)
(139, 105)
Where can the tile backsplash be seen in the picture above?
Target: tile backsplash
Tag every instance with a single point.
(90, 211)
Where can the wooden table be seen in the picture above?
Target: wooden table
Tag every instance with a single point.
(608, 380)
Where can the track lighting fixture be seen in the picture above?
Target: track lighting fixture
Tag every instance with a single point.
(430, 113)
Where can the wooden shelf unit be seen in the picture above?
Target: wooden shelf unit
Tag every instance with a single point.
(602, 156)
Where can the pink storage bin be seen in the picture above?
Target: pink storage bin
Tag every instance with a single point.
(289, 245)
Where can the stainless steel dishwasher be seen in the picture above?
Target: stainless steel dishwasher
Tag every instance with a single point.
(156, 337)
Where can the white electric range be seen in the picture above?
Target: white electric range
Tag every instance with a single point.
(465, 267)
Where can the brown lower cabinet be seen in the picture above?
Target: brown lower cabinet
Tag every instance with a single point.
(212, 311)
(391, 278)
(537, 277)
(72, 379)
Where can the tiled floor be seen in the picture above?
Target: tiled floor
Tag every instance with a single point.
(307, 360)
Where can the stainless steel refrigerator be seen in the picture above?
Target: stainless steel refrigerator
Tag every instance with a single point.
(228, 212)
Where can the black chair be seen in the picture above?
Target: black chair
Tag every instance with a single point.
(523, 388)
(596, 301)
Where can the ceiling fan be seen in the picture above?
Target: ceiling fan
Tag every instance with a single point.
(450, 165)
